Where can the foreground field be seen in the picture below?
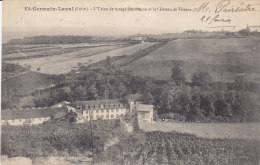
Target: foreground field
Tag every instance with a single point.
(208, 130)
(222, 58)
(70, 144)
(67, 61)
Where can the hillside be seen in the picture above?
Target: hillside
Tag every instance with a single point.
(15, 88)
(224, 59)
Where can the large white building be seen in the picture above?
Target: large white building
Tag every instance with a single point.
(99, 109)
(85, 110)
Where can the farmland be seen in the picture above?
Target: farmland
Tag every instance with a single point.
(64, 140)
(222, 58)
(173, 148)
(62, 59)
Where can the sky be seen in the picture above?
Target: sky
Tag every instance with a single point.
(17, 22)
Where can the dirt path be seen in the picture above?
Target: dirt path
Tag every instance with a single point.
(15, 76)
(208, 130)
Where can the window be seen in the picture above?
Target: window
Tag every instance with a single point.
(98, 106)
(112, 116)
(107, 116)
(121, 105)
(102, 111)
(114, 105)
(20, 120)
(116, 115)
(102, 116)
(107, 110)
(86, 117)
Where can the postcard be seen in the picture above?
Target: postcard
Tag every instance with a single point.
(131, 82)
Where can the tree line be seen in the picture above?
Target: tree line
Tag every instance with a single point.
(199, 100)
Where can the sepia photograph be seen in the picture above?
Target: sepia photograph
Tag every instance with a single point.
(130, 82)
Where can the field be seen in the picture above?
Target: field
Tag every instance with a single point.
(64, 58)
(249, 131)
(25, 83)
(222, 58)
(65, 141)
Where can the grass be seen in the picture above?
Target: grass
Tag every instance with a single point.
(223, 58)
(248, 131)
(57, 138)
(24, 83)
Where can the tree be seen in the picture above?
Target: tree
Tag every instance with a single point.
(201, 78)
(178, 75)
(244, 32)
(108, 62)
(92, 92)
(240, 83)
(148, 98)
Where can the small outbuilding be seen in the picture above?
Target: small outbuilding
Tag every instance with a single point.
(145, 113)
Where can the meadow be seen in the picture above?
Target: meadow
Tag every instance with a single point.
(223, 58)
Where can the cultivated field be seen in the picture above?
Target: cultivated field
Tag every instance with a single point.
(13, 52)
(80, 55)
(223, 58)
(249, 131)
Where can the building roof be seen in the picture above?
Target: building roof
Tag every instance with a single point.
(60, 104)
(32, 113)
(144, 108)
(97, 102)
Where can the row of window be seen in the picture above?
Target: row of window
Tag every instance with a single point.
(103, 106)
(105, 116)
(107, 110)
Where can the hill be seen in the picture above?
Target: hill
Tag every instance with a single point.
(223, 58)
